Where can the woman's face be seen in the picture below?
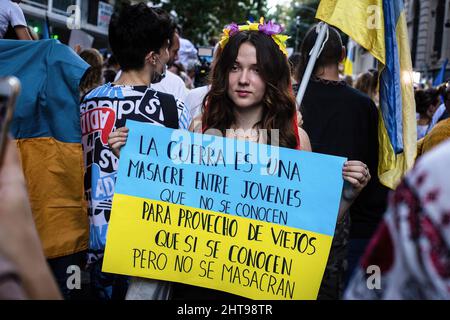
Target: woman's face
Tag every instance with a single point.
(163, 56)
(246, 88)
(433, 107)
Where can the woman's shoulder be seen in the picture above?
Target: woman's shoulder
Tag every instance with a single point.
(305, 144)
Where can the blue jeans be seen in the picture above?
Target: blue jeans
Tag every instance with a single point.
(107, 286)
(59, 267)
(356, 250)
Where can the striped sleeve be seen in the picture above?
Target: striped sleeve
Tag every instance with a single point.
(184, 116)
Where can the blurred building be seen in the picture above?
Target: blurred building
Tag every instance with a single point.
(429, 37)
(61, 15)
(429, 34)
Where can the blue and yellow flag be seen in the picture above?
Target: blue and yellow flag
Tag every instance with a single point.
(350, 59)
(46, 126)
(440, 78)
(380, 27)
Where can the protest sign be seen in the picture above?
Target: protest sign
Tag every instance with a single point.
(245, 218)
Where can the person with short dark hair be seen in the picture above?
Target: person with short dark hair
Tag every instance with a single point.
(139, 39)
(441, 131)
(138, 34)
(427, 102)
(172, 83)
(342, 121)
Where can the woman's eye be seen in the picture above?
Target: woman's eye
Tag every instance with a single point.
(235, 67)
(254, 69)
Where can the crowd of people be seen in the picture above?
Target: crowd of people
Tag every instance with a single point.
(251, 89)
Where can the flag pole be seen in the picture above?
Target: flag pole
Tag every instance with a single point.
(323, 27)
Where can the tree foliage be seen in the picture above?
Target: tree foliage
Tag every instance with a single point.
(202, 21)
(302, 18)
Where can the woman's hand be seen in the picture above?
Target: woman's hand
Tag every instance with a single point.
(356, 176)
(117, 140)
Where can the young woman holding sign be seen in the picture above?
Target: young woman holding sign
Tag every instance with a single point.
(251, 94)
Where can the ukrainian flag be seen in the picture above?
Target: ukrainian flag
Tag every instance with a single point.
(350, 59)
(380, 27)
(46, 126)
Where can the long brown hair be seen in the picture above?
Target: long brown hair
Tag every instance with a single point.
(367, 82)
(93, 77)
(279, 108)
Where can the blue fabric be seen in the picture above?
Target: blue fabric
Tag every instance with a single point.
(390, 87)
(50, 73)
(46, 29)
(440, 77)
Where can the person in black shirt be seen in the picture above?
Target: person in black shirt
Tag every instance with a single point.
(139, 38)
(342, 121)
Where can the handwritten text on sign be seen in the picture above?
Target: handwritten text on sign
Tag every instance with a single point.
(182, 206)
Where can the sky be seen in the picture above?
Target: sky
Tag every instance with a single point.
(272, 3)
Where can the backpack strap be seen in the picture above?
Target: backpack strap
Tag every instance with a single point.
(170, 111)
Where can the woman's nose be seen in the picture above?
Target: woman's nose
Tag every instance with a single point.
(243, 79)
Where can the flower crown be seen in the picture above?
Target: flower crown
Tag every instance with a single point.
(269, 28)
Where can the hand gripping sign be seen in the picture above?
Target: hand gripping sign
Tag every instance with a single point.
(249, 219)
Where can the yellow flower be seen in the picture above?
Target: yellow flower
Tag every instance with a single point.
(279, 39)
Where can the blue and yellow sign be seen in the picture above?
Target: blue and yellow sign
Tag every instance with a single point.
(245, 218)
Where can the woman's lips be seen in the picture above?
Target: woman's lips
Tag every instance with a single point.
(242, 93)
